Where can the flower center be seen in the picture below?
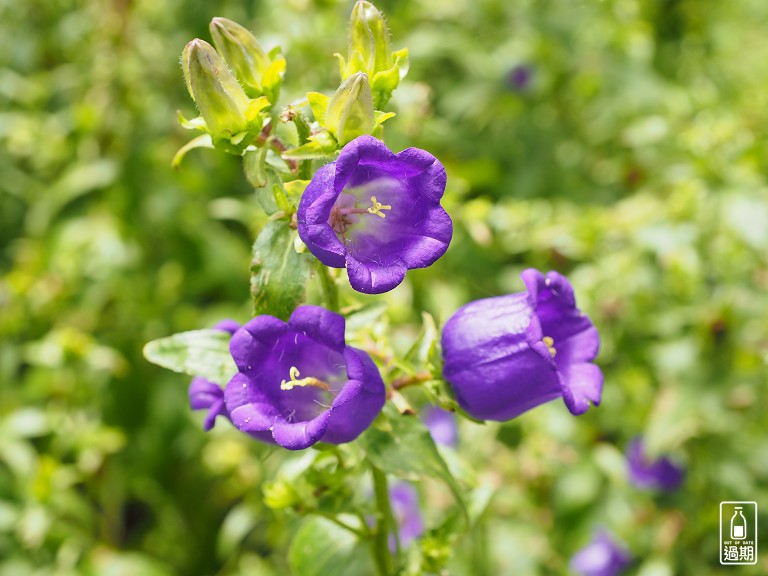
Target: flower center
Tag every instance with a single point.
(308, 381)
(549, 341)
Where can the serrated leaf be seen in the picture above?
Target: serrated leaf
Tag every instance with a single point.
(402, 445)
(320, 548)
(197, 353)
(279, 274)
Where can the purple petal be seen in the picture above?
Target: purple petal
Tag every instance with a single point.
(442, 426)
(254, 340)
(300, 435)
(319, 324)
(365, 150)
(374, 278)
(581, 383)
(359, 402)
(228, 325)
(405, 507)
(661, 474)
(312, 217)
(601, 557)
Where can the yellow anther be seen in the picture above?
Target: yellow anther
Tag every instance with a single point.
(549, 341)
(308, 381)
(378, 207)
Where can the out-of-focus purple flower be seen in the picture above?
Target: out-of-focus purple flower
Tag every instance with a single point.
(661, 474)
(376, 213)
(519, 77)
(206, 395)
(508, 354)
(299, 383)
(442, 425)
(601, 557)
(404, 499)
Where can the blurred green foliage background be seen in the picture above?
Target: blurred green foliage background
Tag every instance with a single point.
(631, 156)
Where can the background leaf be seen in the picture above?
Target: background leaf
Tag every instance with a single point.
(197, 353)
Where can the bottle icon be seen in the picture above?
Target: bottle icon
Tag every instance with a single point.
(738, 525)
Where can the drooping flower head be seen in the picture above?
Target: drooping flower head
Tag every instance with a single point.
(442, 426)
(207, 395)
(660, 474)
(405, 508)
(299, 383)
(376, 213)
(603, 556)
(508, 354)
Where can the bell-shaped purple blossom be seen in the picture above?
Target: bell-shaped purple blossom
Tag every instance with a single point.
(442, 426)
(299, 383)
(661, 474)
(207, 395)
(603, 556)
(404, 499)
(508, 354)
(376, 213)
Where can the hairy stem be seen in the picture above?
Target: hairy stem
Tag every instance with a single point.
(384, 520)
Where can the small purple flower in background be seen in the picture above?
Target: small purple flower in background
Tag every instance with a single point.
(442, 426)
(660, 474)
(299, 383)
(601, 557)
(405, 507)
(376, 213)
(206, 395)
(506, 355)
(519, 77)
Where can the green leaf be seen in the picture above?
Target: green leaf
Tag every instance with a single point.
(320, 547)
(194, 124)
(278, 274)
(402, 445)
(197, 353)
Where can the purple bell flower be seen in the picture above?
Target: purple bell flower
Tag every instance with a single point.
(661, 474)
(404, 499)
(376, 213)
(508, 354)
(299, 383)
(207, 395)
(442, 426)
(601, 557)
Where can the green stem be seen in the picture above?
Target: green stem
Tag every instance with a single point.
(383, 522)
(330, 290)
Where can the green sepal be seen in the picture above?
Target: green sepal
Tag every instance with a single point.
(255, 167)
(320, 145)
(202, 141)
(273, 77)
(194, 124)
(319, 104)
(279, 274)
(197, 353)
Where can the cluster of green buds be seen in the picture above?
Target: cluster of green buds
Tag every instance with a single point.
(236, 86)
(370, 51)
(233, 87)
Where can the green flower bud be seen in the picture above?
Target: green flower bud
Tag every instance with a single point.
(369, 47)
(370, 51)
(221, 100)
(350, 111)
(242, 53)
